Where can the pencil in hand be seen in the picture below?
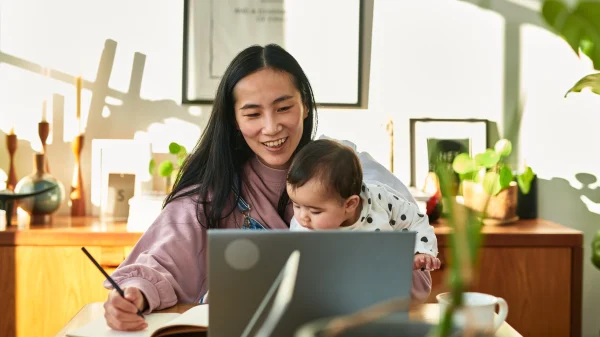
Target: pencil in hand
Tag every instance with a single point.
(112, 282)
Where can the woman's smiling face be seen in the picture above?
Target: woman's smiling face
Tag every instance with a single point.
(269, 113)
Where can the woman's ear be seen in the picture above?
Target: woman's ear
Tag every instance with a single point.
(352, 203)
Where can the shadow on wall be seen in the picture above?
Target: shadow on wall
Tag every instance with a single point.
(578, 208)
(515, 14)
(127, 116)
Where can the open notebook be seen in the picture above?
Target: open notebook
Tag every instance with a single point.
(194, 320)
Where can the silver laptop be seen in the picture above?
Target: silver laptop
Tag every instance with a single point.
(339, 272)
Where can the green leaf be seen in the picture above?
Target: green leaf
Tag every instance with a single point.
(478, 176)
(552, 10)
(467, 176)
(487, 159)
(506, 176)
(491, 183)
(524, 180)
(166, 168)
(591, 81)
(152, 166)
(587, 46)
(596, 250)
(503, 147)
(182, 151)
(180, 161)
(174, 148)
(589, 14)
(463, 164)
(578, 26)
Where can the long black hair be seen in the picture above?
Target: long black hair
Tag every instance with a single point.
(215, 165)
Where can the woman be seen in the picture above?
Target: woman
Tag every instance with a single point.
(263, 113)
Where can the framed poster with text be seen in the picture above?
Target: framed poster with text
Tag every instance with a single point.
(325, 37)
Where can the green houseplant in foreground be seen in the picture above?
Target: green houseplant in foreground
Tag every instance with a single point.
(167, 168)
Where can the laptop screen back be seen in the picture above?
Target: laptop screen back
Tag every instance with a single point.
(339, 272)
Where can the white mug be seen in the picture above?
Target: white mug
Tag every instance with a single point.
(477, 311)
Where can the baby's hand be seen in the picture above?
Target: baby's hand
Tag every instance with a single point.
(426, 262)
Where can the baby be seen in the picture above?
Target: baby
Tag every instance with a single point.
(325, 185)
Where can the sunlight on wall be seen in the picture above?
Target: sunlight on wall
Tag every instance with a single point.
(131, 74)
(160, 135)
(558, 134)
(72, 44)
(365, 128)
(438, 59)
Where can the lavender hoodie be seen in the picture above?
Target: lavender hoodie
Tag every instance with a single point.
(168, 264)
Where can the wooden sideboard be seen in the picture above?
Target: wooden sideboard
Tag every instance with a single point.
(45, 279)
(536, 266)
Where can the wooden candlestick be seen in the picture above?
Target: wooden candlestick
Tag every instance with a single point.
(44, 131)
(390, 129)
(11, 145)
(77, 193)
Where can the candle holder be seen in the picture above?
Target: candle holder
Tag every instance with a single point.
(43, 132)
(389, 127)
(11, 145)
(77, 193)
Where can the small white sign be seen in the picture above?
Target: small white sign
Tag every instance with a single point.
(121, 188)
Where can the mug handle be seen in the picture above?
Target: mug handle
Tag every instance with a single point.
(502, 313)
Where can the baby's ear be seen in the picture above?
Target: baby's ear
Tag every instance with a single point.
(352, 203)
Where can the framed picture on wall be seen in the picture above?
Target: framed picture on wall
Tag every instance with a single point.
(444, 138)
(329, 51)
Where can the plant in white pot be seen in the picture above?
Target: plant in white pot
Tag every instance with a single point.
(486, 176)
(167, 168)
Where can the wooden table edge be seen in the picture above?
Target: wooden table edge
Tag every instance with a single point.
(426, 313)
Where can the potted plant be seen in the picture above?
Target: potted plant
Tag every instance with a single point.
(167, 168)
(487, 175)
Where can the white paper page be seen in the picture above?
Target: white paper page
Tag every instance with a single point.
(98, 327)
(195, 316)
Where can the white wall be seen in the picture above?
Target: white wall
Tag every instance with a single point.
(439, 58)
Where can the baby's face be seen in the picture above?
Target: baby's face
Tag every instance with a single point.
(316, 209)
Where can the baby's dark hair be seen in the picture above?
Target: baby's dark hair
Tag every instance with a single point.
(335, 165)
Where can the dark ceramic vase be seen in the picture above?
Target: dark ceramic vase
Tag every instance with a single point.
(527, 204)
(43, 205)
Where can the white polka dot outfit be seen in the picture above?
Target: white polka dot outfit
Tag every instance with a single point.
(383, 210)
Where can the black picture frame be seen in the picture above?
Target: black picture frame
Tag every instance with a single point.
(185, 100)
(482, 125)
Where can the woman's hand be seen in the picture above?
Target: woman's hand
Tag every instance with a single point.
(426, 262)
(121, 313)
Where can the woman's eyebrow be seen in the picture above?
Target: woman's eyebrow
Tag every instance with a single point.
(282, 98)
(277, 100)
